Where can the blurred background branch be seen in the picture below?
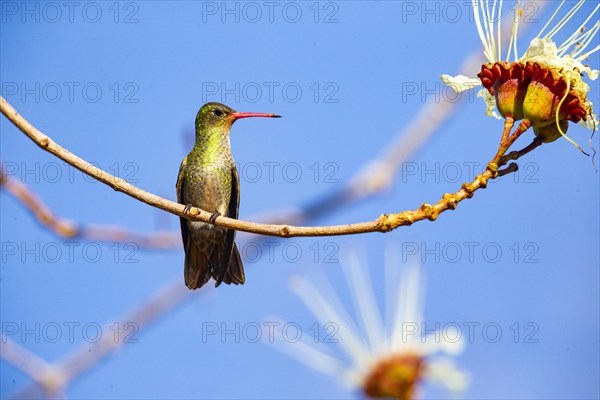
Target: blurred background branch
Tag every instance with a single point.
(51, 379)
(92, 232)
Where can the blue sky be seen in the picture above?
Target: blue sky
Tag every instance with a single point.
(119, 84)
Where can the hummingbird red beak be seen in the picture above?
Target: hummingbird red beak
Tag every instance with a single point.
(238, 115)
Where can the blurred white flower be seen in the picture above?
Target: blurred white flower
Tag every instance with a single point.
(380, 363)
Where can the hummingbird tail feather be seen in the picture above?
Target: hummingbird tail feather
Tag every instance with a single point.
(235, 274)
(196, 271)
(218, 270)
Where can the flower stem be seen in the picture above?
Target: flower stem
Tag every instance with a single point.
(508, 125)
(506, 142)
(515, 155)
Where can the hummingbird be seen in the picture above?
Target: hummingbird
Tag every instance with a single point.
(208, 179)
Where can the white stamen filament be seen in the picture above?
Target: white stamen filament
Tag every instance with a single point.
(577, 35)
(565, 19)
(364, 300)
(585, 41)
(551, 19)
(408, 306)
(489, 30)
(586, 55)
(518, 18)
(306, 353)
(490, 35)
(486, 47)
(499, 25)
(392, 270)
(321, 308)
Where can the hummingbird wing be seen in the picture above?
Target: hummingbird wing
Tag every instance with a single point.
(235, 274)
(195, 264)
(231, 269)
(179, 187)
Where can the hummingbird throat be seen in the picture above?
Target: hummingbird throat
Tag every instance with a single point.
(212, 144)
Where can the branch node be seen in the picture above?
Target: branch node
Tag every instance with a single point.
(469, 189)
(388, 222)
(429, 211)
(493, 168)
(483, 181)
(285, 232)
(450, 200)
(44, 142)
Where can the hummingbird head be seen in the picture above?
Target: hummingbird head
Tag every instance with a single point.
(217, 115)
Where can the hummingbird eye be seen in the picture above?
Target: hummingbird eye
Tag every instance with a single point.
(218, 112)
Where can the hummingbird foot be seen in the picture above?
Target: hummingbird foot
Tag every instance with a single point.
(187, 208)
(214, 217)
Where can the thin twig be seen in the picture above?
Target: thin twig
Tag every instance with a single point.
(514, 155)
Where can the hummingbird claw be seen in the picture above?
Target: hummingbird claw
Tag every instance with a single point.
(187, 208)
(214, 217)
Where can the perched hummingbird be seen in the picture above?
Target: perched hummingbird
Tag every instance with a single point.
(208, 179)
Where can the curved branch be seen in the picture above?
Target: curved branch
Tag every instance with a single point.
(383, 223)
